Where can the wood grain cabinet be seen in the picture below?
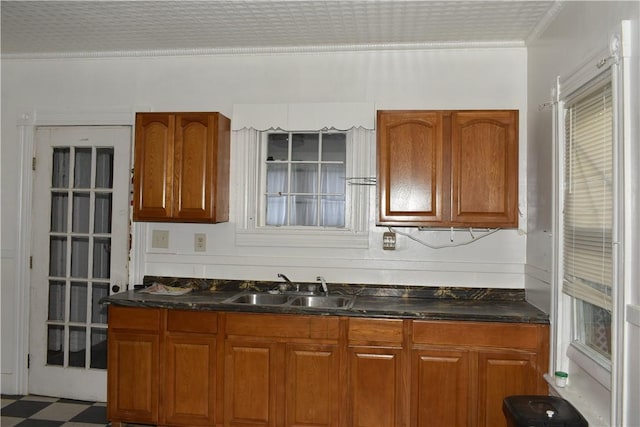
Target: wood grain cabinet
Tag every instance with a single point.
(281, 371)
(377, 373)
(462, 371)
(133, 365)
(194, 368)
(448, 168)
(190, 368)
(181, 168)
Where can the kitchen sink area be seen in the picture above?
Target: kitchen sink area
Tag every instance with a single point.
(293, 300)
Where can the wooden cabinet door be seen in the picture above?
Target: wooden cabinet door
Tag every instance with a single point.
(440, 388)
(312, 378)
(376, 379)
(411, 166)
(201, 167)
(502, 373)
(181, 171)
(153, 176)
(250, 394)
(190, 379)
(133, 364)
(484, 168)
(190, 368)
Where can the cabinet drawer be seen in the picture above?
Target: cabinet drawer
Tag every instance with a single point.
(376, 330)
(192, 321)
(146, 319)
(506, 335)
(282, 326)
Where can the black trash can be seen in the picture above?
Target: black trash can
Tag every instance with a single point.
(541, 411)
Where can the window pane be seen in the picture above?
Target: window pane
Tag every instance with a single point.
(278, 146)
(99, 311)
(59, 212)
(333, 179)
(78, 305)
(60, 176)
(334, 147)
(277, 178)
(304, 146)
(55, 345)
(104, 168)
(77, 346)
(594, 327)
(305, 210)
(102, 214)
(332, 211)
(82, 169)
(276, 210)
(304, 178)
(80, 257)
(58, 256)
(56, 300)
(98, 348)
(101, 258)
(81, 212)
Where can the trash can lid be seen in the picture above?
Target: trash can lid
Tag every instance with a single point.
(541, 411)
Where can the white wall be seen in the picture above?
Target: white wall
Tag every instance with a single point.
(579, 31)
(437, 79)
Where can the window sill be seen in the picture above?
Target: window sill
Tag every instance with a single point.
(578, 398)
(303, 238)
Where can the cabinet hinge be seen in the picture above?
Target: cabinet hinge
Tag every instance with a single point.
(33, 163)
(31, 262)
(28, 361)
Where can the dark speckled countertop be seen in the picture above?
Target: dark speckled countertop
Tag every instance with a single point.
(404, 302)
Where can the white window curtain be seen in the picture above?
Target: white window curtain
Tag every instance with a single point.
(588, 193)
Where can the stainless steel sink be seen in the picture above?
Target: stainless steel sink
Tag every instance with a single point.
(306, 301)
(258, 299)
(318, 301)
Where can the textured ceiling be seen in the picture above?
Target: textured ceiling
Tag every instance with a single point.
(122, 28)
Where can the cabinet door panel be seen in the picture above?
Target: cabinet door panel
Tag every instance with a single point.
(440, 388)
(376, 378)
(502, 374)
(133, 377)
(484, 168)
(194, 166)
(410, 167)
(250, 384)
(190, 383)
(312, 385)
(153, 178)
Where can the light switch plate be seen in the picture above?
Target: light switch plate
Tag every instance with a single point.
(160, 239)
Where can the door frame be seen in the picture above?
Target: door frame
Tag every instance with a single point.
(27, 124)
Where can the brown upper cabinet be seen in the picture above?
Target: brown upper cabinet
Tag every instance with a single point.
(448, 168)
(181, 170)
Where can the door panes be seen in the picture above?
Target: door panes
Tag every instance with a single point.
(80, 256)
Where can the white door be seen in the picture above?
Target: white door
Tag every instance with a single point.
(80, 245)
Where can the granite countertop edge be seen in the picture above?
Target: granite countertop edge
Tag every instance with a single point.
(373, 301)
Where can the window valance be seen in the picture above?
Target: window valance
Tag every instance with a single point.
(303, 117)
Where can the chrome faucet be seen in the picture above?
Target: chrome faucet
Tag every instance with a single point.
(289, 283)
(324, 284)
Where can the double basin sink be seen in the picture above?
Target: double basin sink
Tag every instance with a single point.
(336, 302)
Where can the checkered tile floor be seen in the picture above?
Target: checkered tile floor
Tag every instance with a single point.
(40, 411)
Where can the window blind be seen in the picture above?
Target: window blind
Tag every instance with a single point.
(588, 193)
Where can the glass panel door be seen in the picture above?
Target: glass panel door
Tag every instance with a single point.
(81, 209)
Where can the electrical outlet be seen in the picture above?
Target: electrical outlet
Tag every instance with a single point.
(389, 240)
(200, 242)
(160, 239)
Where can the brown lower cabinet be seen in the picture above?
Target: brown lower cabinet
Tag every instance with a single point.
(192, 368)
